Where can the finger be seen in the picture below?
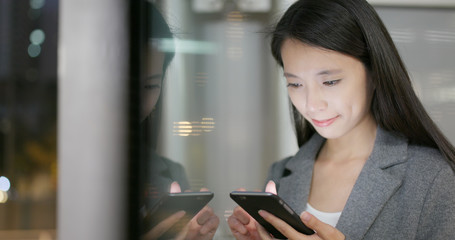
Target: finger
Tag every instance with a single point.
(324, 231)
(210, 225)
(242, 215)
(175, 187)
(237, 228)
(165, 225)
(241, 189)
(204, 190)
(204, 215)
(271, 187)
(262, 232)
(281, 225)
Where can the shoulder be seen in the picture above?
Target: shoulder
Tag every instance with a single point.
(427, 159)
(172, 165)
(433, 178)
(428, 167)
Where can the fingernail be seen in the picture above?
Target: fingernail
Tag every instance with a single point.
(180, 213)
(263, 213)
(306, 216)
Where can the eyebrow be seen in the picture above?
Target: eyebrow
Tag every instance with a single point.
(290, 75)
(329, 72)
(154, 76)
(323, 72)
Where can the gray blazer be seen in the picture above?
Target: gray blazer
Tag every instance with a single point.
(404, 191)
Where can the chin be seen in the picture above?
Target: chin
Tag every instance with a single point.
(328, 132)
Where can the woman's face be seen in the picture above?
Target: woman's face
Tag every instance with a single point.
(331, 90)
(151, 85)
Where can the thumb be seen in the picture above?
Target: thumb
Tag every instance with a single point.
(175, 187)
(271, 187)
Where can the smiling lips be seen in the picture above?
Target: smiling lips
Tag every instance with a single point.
(324, 123)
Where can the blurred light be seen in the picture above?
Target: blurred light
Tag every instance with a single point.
(3, 197)
(207, 6)
(182, 128)
(440, 36)
(403, 35)
(235, 16)
(254, 5)
(4, 184)
(44, 235)
(194, 128)
(37, 4)
(184, 46)
(201, 79)
(34, 50)
(235, 32)
(37, 37)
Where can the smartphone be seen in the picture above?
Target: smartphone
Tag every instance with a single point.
(170, 203)
(252, 202)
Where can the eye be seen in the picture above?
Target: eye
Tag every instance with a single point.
(294, 85)
(152, 86)
(331, 82)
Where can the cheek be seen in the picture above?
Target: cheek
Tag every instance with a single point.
(355, 103)
(298, 100)
(149, 99)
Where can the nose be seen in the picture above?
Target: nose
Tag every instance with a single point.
(315, 101)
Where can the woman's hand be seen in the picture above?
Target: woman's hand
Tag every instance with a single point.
(244, 227)
(323, 231)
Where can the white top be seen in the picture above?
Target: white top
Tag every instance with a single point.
(326, 217)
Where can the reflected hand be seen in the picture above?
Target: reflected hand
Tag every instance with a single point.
(202, 226)
(162, 227)
(242, 225)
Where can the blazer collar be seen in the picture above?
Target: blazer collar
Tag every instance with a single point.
(295, 187)
(157, 164)
(380, 177)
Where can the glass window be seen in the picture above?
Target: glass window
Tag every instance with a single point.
(223, 108)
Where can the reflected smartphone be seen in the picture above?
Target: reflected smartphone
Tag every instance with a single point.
(252, 202)
(190, 202)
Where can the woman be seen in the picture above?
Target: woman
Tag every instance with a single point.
(161, 175)
(371, 164)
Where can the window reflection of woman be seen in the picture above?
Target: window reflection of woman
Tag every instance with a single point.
(162, 175)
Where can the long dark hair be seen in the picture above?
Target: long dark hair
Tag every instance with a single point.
(157, 29)
(353, 27)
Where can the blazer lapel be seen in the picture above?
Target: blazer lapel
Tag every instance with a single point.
(295, 188)
(379, 179)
